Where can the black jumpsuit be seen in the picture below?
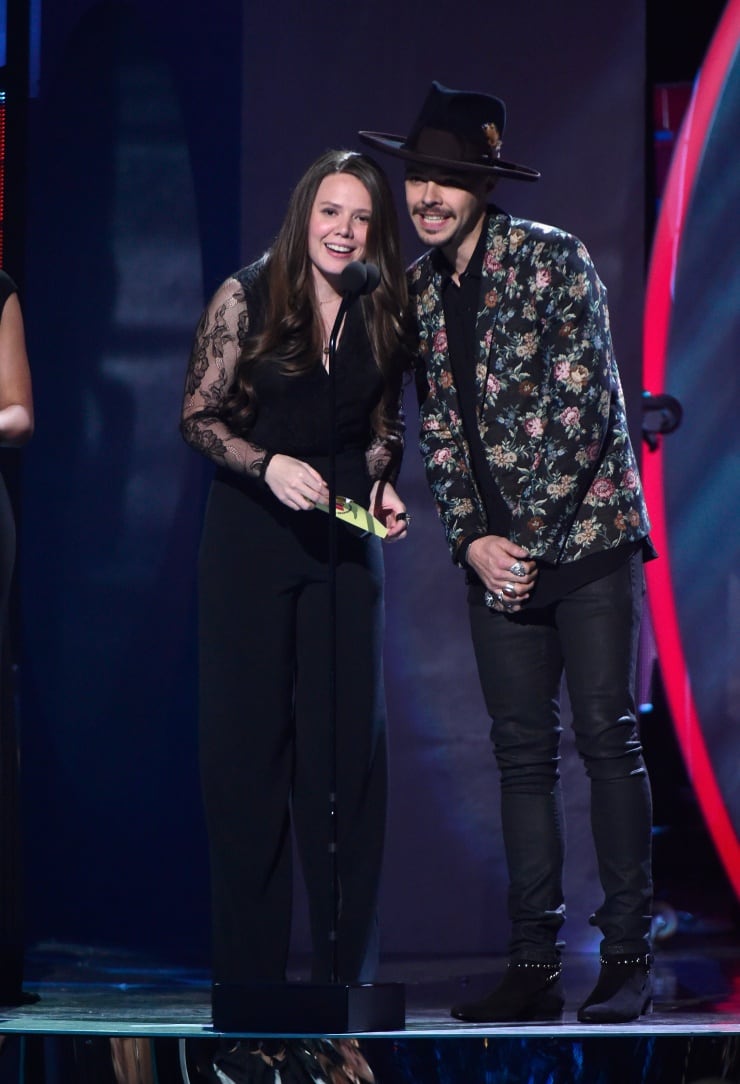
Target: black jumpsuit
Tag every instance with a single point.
(265, 623)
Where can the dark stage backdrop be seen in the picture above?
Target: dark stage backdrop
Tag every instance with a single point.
(165, 141)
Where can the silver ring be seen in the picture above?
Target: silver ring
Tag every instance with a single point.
(510, 590)
(518, 569)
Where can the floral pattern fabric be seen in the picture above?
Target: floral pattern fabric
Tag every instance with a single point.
(551, 411)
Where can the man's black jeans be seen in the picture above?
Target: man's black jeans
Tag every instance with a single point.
(591, 635)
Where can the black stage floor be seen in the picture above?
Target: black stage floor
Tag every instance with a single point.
(105, 1017)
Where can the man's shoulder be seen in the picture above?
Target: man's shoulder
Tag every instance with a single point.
(541, 231)
(524, 233)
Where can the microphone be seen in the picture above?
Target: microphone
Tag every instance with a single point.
(373, 278)
(358, 278)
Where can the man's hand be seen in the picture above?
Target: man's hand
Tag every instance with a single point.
(504, 568)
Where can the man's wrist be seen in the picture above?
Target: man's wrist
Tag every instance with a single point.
(461, 557)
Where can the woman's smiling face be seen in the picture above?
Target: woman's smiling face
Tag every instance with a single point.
(337, 228)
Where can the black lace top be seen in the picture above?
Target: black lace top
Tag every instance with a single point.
(294, 415)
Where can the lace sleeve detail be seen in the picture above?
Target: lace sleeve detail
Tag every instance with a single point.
(218, 341)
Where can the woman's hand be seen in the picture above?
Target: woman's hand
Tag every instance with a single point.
(505, 570)
(387, 506)
(295, 483)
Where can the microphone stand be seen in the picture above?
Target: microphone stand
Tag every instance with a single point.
(319, 1008)
(347, 300)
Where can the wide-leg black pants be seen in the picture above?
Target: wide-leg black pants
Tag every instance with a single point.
(266, 743)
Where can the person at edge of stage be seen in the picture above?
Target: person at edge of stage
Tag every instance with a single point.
(258, 403)
(16, 429)
(527, 453)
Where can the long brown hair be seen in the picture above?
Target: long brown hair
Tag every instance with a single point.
(292, 334)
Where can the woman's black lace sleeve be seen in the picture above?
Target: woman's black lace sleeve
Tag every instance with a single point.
(219, 338)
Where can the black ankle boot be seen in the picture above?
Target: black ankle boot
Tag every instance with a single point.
(623, 992)
(528, 991)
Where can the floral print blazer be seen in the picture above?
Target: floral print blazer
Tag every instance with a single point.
(551, 412)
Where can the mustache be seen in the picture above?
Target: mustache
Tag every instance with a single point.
(424, 208)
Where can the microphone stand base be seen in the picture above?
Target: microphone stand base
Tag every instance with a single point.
(305, 1008)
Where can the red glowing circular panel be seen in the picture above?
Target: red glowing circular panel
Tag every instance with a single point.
(677, 628)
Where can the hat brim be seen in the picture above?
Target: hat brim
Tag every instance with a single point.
(395, 145)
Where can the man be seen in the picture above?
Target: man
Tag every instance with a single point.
(528, 457)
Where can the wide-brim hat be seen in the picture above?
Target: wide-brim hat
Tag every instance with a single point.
(456, 129)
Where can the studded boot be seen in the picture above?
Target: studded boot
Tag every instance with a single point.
(623, 992)
(529, 990)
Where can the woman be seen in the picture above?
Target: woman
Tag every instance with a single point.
(16, 428)
(258, 403)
